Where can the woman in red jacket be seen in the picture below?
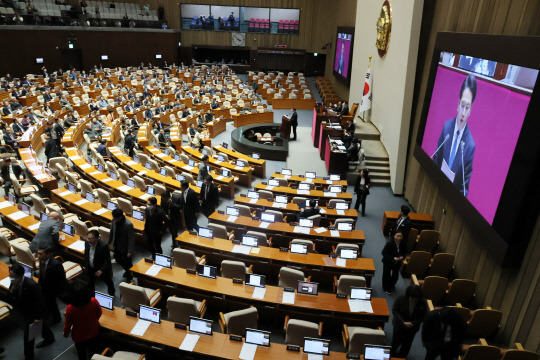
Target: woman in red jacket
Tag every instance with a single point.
(82, 320)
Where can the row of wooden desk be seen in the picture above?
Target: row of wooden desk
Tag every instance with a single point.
(259, 165)
(322, 196)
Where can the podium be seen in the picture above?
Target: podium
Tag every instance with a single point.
(285, 127)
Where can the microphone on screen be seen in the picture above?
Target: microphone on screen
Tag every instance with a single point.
(445, 139)
(463, 169)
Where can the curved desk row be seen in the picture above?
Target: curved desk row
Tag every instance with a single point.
(36, 169)
(259, 165)
(322, 196)
(318, 181)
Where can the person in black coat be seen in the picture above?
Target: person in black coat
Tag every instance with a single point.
(310, 210)
(51, 147)
(403, 223)
(209, 196)
(172, 205)
(190, 206)
(361, 190)
(155, 224)
(408, 312)
(122, 241)
(442, 334)
(6, 169)
(294, 122)
(97, 262)
(393, 254)
(52, 280)
(129, 143)
(25, 296)
(352, 150)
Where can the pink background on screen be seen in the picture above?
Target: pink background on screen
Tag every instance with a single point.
(495, 123)
(346, 52)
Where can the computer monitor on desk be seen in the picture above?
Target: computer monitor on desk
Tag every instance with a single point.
(106, 301)
(286, 172)
(281, 199)
(299, 249)
(258, 337)
(270, 218)
(273, 182)
(232, 211)
(206, 232)
(305, 222)
(348, 253)
(345, 226)
(255, 280)
(377, 352)
(250, 241)
(252, 194)
(335, 177)
(316, 346)
(311, 175)
(111, 206)
(200, 326)
(138, 215)
(335, 189)
(68, 229)
(163, 261)
(308, 288)
(207, 271)
(27, 269)
(342, 205)
(149, 314)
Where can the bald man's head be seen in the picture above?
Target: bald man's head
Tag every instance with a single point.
(56, 215)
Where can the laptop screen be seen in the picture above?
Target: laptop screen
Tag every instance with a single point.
(206, 271)
(149, 313)
(27, 269)
(191, 163)
(163, 260)
(240, 163)
(201, 326)
(106, 301)
(205, 232)
(138, 215)
(252, 194)
(250, 241)
(225, 173)
(286, 172)
(255, 280)
(232, 211)
(148, 165)
(310, 175)
(307, 287)
(43, 217)
(150, 190)
(346, 226)
(303, 186)
(136, 158)
(256, 156)
(177, 157)
(25, 208)
(72, 187)
(166, 151)
(360, 293)
(131, 183)
(335, 189)
(273, 182)
(113, 176)
(335, 177)
(348, 253)
(225, 145)
(299, 249)
(316, 346)
(204, 152)
(11, 198)
(271, 218)
(282, 199)
(68, 229)
(180, 177)
(111, 206)
(221, 158)
(100, 168)
(306, 223)
(376, 352)
(163, 172)
(257, 337)
(199, 183)
(342, 206)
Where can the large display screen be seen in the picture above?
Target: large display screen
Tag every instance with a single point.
(474, 122)
(343, 55)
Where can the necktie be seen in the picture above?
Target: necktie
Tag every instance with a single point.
(206, 193)
(453, 150)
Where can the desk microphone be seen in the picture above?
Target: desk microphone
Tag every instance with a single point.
(463, 169)
(446, 138)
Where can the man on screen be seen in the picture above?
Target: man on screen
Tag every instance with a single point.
(455, 148)
(341, 62)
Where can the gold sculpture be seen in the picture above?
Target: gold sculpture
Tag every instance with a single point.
(384, 27)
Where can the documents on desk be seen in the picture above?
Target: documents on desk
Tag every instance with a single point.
(124, 188)
(5, 282)
(85, 166)
(5, 204)
(17, 215)
(248, 351)
(100, 211)
(241, 249)
(34, 226)
(315, 357)
(319, 230)
(279, 205)
(153, 270)
(77, 245)
(360, 306)
(340, 212)
(334, 233)
(252, 201)
(81, 202)
(144, 196)
(258, 293)
(232, 218)
(264, 224)
(288, 297)
(65, 193)
(140, 327)
(341, 262)
(41, 176)
(130, 162)
(268, 187)
(301, 230)
(329, 194)
(142, 172)
(302, 192)
(189, 343)
(107, 180)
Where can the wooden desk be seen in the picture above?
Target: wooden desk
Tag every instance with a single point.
(216, 127)
(313, 194)
(265, 139)
(335, 160)
(418, 221)
(318, 181)
(282, 233)
(36, 170)
(299, 104)
(269, 260)
(178, 281)
(253, 118)
(259, 165)
(327, 131)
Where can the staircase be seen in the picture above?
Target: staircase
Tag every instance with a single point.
(376, 156)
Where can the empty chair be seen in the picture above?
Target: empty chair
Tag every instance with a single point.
(60, 160)
(481, 352)
(160, 189)
(267, 195)
(441, 264)
(6, 246)
(290, 277)
(343, 285)
(310, 185)
(346, 246)
(139, 183)
(428, 240)
(411, 242)
(277, 214)
(87, 187)
(143, 158)
(187, 259)
(243, 210)
(344, 220)
(81, 227)
(108, 353)
(297, 330)
(180, 309)
(189, 178)
(461, 291)
(282, 182)
(316, 219)
(220, 231)
(123, 175)
(209, 151)
(225, 156)
(132, 296)
(184, 157)
(154, 164)
(125, 205)
(261, 238)
(236, 322)
(24, 254)
(417, 263)
(310, 245)
(104, 197)
(22, 191)
(519, 354)
(298, 200)
(234, 269)
(356, 337)
(434, 288)
(333, 202)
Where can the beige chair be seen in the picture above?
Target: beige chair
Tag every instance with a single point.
(343, 220)
(189, 178)
(298, 200)
(184, 157)
(220, 231)
(24, 254)
(5, 309)
(132, 296)
(310, 245)
(483, 323)
(356, 337)
(267, 195)
(87, 187)
(296, 330)
(262, 240)
(127, 207)
(234, 269)
(169, 171)
(316, 219)
(54, 162)
(139, 183)
(236, 322)
(434, 287)
(104, 197)
(442, 264)
(6, 246)
(333, 202)
(428, 240)
(180, 309)
(283, 182)
(243, 210)
(342, 286)
(277, 214)
(143, 158)
(290, 277)
(22, 191)
(82, 227)
(187, 259)
(341, 246)
(160, 189)
(225, 156)
(108, 354)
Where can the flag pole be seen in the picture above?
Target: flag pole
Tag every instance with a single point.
(364, 112)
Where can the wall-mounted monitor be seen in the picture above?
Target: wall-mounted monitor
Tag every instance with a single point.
(343, 53)
(104, 57)
(39, 60)
(158, 56)
(478, 135)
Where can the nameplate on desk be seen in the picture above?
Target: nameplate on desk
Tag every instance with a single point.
(353, 356)
(131, 313)
(191, 271)
(221, 212)
(284, 249)
(293, 348)
(288, 289)
(192, 232)
(237, 281)
(244, 195)
(341, 296)
(180, 326)
(148, 260)
(235, 338)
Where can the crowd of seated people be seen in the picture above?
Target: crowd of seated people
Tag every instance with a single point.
(203, 22)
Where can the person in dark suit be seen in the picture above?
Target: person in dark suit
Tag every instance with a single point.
(97, 262)
(204, 168)
(403, 223)
(344, 110)
(190, 205)
(209, 196)
(17, 128)
(48, 234)
(163, 139)
(134, 123)
(172, 205)
(442, 333)
(361, 190)
(7, 169)
(102, 149)
(154, 225)
(352, 150)
(351, 127)
(455, 148)
(6, 109)
(129, 143)
(122, 241)
(347, 139)
(408, 312)
(310, 210)
(51, 147)
(341, 61)
(29, 307)
(52, 280)
(294, 122)
(10, 139)
(393, 254)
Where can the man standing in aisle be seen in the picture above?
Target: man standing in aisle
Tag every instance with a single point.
(190, 202)
(122, 241)
(97, 262)
(154, 226)
(52, 280)
(294, 122)
(209, 196)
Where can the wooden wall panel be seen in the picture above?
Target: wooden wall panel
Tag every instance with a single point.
(516, 292)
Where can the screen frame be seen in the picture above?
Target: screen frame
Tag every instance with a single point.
(152, 308)
(507, 239)
(201, 319)
(347, 30)
(309, 352)
(258, 331)
(105, 295)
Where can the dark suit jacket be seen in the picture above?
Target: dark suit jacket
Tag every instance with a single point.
(129, 142)
(156, 222)
(17, 171)
(53, 280)
(17, 128)
(102, 258)
(211, 200)
(48, 234)
(405, 227)
(6, 110)
(390, 251)
(433, 331)
(309, 212)
(352, 152)
(294, 119)
(345, 110)
(400, 310)
(351, 128)
(203, 171)
(8, 140)
(367, 184)
(163, 139)
(125, 242)
(191, 205)
(51, 149)
(461, 169)
(29, 305)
